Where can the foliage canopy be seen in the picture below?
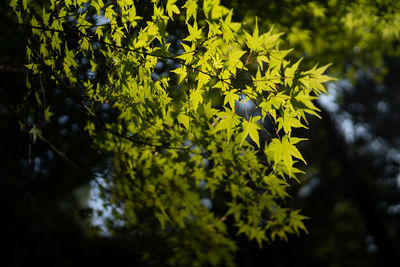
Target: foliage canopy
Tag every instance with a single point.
(354, 35)
(195, 111)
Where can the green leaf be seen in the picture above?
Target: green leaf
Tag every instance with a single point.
(191, 9)
(313, 79)
(182, 72)
(35, 132)
(47, 114)
(188, 55)
(290, 73)
(196, 98)
(172, 8)
(235, 209)
(234, 61)
(45, 17)
(110, 14)
(284, 151)
(250, 128)
(25, 4)
(254, 42)
(277, 186)
(184, 119)
(296, 221)
(194, 33)
(202, 79)
(228, 120)
(230, 97)
(289, 121)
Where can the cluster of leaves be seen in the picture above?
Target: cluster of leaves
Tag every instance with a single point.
(171, 78)
(369, 30)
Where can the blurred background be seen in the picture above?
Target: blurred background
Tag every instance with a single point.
(351, 189)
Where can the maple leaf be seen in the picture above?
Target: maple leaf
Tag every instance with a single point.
(196, 97)
(289, 121)
(290, 73)
(35, 132)
(194, 33)
(285, 150)
(172, 8)
(251, 128)
(229, 120)
(230, 97)
(182, 72)
(254, 42)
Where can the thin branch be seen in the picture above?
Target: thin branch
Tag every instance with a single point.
(58, 152)
(175, 58)
(134, 139)
(272, 122)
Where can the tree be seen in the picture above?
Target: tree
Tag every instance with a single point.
(194, 113)
(353, 172)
